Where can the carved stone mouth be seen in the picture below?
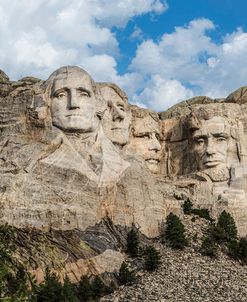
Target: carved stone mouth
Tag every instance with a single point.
(153, 160)
(212, 163)
(73, 114)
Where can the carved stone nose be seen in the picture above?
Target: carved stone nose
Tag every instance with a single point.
(210, 148)
(117, 114)
(154, 144)
(73, 100)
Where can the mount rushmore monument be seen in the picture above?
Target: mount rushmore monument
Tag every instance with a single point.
(74, 152)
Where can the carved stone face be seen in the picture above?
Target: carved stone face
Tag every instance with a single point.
(116, 121)
(73, 102)
(145, 142)
(211, 143)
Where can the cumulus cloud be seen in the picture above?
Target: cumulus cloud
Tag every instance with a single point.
(187, 62)
(161, 93)
(137, 34)
(51, 33)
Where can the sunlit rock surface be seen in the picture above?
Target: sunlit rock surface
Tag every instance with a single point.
(75, 156)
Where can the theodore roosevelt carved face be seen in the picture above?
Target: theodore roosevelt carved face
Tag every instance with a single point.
(145, 139)
(116, 120)
(73, 100)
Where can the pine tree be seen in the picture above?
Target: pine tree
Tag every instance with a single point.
(209, 247)
(132, 243)
(152, 258)
(187, 206)
(175, 232)
(98, 287)
(126, 276)
(68, 291)
(243, 249)
(225, 229)
(50, 290)
(233, 249)
(84, 289)
(15, 281)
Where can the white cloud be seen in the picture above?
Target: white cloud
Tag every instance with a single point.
(189, 58)
(137, 33)
(50, 33)
(118, 13)
(37, 36)
(161, 93)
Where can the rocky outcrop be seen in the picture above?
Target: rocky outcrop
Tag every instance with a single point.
(75, 153)
(186, 276)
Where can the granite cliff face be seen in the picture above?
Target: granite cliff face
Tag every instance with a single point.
(77, 158)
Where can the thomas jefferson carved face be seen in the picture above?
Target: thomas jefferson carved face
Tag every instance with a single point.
(73, 101)
(116, 121)
(211, 143)
(145, 141)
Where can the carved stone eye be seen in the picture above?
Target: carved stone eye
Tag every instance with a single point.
(157, 136)
(121, 107)
(84, 93)
(60, 95)
(221, 139)
(200, 142)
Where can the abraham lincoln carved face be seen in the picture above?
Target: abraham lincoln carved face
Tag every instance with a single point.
(216, 138)
(211, 143)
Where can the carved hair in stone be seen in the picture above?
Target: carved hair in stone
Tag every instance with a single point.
(74, 100)
(144, 140)
(117, 118)
(216, 136)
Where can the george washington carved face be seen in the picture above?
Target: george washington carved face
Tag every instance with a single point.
(73, 100)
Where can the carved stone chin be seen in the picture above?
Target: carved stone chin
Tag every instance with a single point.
(217, 174)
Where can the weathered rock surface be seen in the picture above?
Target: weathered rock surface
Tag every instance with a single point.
(74, 153)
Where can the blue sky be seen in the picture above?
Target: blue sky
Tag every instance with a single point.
(160, 52)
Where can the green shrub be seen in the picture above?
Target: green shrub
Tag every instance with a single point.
(233, 249)
(175, 232)
(243, 250)
(68, 291)
(126, 276)
(209, 247)
(98, 287)
(225, 229)
(203, 213)
(15, 282)
(238, 249)
(152, 258)
(50, 290)
(132, 243)
(111, 288)
(187, 206)
(84, 289)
